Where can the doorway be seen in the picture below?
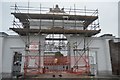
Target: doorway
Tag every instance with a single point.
(17, 60)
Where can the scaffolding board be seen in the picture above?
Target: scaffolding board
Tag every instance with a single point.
(33, 63)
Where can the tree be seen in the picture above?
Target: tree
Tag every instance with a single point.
(58, 54)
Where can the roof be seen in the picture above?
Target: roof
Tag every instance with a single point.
(3, 34)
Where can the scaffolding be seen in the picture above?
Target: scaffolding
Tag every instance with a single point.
(36, 22)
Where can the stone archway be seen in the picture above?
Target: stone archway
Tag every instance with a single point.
(56, 57)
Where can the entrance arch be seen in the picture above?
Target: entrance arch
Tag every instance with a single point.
(56, 55)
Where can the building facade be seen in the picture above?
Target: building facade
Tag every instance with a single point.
(12, 44)
(69, 38)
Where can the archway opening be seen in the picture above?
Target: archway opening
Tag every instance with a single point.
(56, 55)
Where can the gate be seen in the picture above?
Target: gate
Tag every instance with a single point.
(56, 64)
(33, 66)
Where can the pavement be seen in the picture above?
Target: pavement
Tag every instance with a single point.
(71, 75)
(64, 76)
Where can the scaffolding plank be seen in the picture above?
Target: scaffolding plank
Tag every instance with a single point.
(54, 16)
(24, 16)
(55, 39)
(24, 31)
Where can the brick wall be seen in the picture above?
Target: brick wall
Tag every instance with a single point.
(115, 56)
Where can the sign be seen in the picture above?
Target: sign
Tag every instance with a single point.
(34, 47)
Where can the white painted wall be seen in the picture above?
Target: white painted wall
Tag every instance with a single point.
(15, 43)
(1, 51)
(9, 44)
(100, 45)
(107, 55)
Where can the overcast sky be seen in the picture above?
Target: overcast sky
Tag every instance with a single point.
(108, 12)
